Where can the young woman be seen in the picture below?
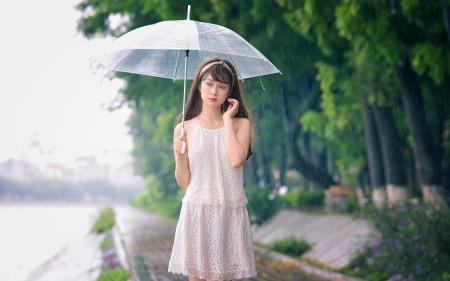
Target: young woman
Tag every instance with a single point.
(213, 240)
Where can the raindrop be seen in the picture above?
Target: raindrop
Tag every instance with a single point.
(262, 86)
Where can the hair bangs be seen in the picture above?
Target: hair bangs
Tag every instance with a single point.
(220, 73)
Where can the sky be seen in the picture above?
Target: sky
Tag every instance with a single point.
(48, 93)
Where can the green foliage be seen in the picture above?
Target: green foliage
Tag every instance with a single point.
(336, 122)
(352, 204)
(156, 201)
(260, 206)
(446, 276)
(427, 59)
(107, 242)
(113, 274)
(301, 199)
(412, 242)
(347, 47)
(105, 221)
(291, 245)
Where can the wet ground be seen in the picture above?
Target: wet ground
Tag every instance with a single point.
(149, 239)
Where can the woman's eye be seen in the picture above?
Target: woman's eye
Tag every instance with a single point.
(222, 86)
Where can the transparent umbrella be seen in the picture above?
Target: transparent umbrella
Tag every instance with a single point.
(159, 49)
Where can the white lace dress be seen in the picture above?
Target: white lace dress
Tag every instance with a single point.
(213, 239)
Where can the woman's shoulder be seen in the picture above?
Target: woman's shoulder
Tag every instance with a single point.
(187, 126)
(242, 122)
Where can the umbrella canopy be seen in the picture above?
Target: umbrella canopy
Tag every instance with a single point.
(159, 50)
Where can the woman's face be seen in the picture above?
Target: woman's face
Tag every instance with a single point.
(213, 93)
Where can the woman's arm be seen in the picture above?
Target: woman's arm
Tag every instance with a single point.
(237, 143)
(182, 173)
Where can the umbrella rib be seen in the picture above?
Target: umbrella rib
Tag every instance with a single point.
(237, 68)
(176, 66)
(121, 60)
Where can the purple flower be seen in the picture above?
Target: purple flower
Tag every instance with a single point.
(397, 243)
(399, 210)
(418, 269)
(403, 223)
(377, 248)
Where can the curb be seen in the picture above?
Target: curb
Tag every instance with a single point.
(311, 269)
(130, 261)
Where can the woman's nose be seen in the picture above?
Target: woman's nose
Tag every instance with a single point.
(215, 90)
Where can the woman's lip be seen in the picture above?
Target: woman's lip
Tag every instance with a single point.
(212, 99)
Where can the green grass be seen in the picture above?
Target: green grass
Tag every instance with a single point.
(168, 207)
(107, 242)
(105, 221)
(290, 245)
(114, 274)
(303, 199)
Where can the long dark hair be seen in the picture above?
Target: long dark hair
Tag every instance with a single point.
(220, 73)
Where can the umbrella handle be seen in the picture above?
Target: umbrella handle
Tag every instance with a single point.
(183, 146)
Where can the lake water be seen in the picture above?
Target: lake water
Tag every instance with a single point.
(32, 234)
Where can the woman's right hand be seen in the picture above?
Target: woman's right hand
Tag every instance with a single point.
(180, 141)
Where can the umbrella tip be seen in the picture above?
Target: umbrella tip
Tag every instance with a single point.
(188, 12)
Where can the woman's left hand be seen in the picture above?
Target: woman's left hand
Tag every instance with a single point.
(231, 110)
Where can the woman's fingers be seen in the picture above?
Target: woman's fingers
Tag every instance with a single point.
(182, 135)
(234, 103)
(178, 146)
(180, 142)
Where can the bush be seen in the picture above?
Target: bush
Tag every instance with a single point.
(169, 206)
(412, 242)
(352, 204)
(298, 199)
(115, 274)
(107, 242)
(156, 199)
(259, 206)
(290, 245)
(105, 221)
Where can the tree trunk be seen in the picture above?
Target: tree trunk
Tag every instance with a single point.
(392, 152)
(446, 16)
(426, 164)
(373, 154)
(283, 164)
(292, 127)
(251, 170)
(267, 171)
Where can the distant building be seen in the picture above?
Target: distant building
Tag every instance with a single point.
(19, 170)
(88, 169)
(57, 171)
(124, 175)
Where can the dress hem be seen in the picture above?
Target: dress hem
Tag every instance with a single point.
(236, 205)
(235, 275)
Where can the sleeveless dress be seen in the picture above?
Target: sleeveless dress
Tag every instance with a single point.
(213, 239)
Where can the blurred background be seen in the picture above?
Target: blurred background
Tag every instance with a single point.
(351, 167)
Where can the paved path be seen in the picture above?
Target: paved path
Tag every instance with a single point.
(336, 237)
(148, 240)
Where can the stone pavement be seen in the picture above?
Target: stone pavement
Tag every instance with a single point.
(336, 237)
(148, 240)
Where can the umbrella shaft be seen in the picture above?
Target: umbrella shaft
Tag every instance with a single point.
(184, 86)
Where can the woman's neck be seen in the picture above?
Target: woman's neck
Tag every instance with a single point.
(210, 115)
